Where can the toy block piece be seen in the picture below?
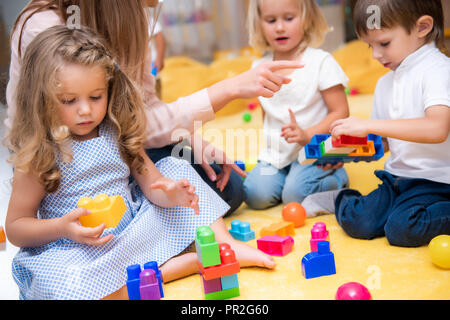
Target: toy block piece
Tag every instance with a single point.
(222, 295)
(250, 164)
(229, 282)
(241, 231)
(104, 209)
(309, 154)
(2, 235)
(329, 149)
(207, 247)
(320, 263)
(212, 285)
(364, 151)
(282, 229)
(229, 264)
(349, 141)
(319, 138)
(275, 245)
(154, 266)
(133, 282)
(324, 154)
(149, 286)
(240, 164)
(319, 233)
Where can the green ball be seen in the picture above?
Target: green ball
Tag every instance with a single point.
(247, 117)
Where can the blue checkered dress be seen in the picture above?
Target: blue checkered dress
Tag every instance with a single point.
(65, 269)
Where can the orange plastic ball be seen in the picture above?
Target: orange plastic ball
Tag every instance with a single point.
(294, 212)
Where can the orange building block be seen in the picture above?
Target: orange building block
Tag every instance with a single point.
(281, 229)
(2, 235)
(364, 151)
(104, 209)
(229, 265)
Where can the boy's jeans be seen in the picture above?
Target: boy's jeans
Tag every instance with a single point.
(267, 186)
(409, 212)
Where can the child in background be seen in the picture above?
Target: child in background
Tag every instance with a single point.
(411, 109)
(315, 98)
(79, 131)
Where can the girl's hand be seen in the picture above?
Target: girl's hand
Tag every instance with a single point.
(293, 133)
(351, 126)
(263, 80)
(180, 193)
(72, 229)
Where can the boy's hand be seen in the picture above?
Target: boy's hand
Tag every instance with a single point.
(180, 193)
(351, 126)
(72, 229)
(293, 133)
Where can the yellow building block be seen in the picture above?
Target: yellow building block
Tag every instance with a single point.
(364, 151)
(104, 209)
(282, 229)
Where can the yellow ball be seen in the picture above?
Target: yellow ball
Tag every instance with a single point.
(439, 249)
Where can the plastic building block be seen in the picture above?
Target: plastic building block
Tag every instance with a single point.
(279, 228)
(154, 266)
(241, 231)
(295, 213)
(104, 209)
(275, 245)
(247, 117)
(319, 233)
(364, 151)
(207, 247)
(353, 291)
(320, 263)
(250, 164)
(327, 148)
(240, 164)
(149, 287)
(253, 105)
(349, 141)
(229, 282)
(439, 248)
(133, 282)
(212, 285)
(228, 264)
(2, 235)
(222, 295)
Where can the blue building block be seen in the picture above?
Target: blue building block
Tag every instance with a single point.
(320, 263)
(240, 164)
(154, 266)
(241, 231)
(229, 282)
(133, 282)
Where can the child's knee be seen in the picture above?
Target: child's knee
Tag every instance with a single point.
(259, 197)
(295, 193)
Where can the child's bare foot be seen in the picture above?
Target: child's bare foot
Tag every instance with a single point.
(246, 255)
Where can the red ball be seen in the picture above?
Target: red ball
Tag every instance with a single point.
(294, 212)
(353, 291)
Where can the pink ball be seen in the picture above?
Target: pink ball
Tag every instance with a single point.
(353, 291)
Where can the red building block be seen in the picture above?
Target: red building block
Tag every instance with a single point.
(349, 141)
(275, 245)
(229, 265)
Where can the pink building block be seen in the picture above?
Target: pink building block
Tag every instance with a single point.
(319, 232)
(212, 285)
(275, 245)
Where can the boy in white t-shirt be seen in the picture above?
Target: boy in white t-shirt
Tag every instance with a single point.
(411, 109)
(306, 106)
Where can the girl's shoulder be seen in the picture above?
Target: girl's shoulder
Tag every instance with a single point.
(316, 54)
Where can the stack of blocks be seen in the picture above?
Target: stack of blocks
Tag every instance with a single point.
(320, 261)
(323, 149)
(218, 266)
(145, 284)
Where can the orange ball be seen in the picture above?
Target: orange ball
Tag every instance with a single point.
(294, 212)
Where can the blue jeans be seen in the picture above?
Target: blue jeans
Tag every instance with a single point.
(232, 194)
(267, 186)
(409, 212)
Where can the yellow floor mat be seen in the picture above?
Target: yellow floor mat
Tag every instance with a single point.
(389, 272)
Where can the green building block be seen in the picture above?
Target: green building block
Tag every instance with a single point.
(323, 154)
(207, 247)
(222, 295)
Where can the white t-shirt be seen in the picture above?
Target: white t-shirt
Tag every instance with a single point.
(303, 96)
(158, 29)
(420, 82)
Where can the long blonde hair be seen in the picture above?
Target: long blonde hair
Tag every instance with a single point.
(122, 23)
(314, 25)
(37, 135)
